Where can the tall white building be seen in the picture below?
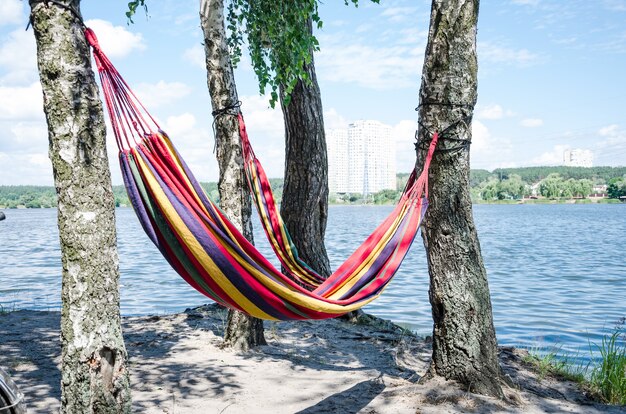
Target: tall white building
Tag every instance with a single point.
(578, 158)
(361, 159)
(337, 146)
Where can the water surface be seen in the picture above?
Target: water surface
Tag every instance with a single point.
(557, 273)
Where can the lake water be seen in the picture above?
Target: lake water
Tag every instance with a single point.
(557, 273)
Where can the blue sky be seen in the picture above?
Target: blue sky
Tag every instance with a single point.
(551, 77)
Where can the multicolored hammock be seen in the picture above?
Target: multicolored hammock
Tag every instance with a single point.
(206, 249)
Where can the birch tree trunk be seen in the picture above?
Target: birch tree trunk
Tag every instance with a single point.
(304, 207)
(95, 375)
(464, 341)
(242, 331)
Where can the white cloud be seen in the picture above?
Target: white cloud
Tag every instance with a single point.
(398, 14)
(526, 2)
(531, 122)
(490, 52)
(40, 160)
(487, 151)
(609, 131)
(25, 136)
(380, 68)
(161, 93)
(490, 112)
(362, 28)
(179, 125)
(185, 19)
(480, 136)
(615, 5)
(21, 103)
(404, 135)
(18, 58)
(611, 148)
(261, 118)
(116, 41)
(195, 56)
(11, 12)
(25, 168)
(333, 120)
(267, 133)
(553, 157)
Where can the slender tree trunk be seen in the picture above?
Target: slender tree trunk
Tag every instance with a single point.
(304, 207)
(243, 331)
(464, 340)
(94, 360)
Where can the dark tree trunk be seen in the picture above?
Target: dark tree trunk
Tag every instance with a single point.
(464, 340)
(94, 360)
(243, 331)
(304, 207)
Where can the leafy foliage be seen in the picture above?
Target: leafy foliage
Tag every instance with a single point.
(29, 196)
(132, 9)
(536, 174)
(617, 188)
(554, 186)
(279, 37)
(486, 186)
(35, 196)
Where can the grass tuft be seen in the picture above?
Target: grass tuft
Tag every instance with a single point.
(556, 365)
(608, 376)
(6, 310)
(604, 376)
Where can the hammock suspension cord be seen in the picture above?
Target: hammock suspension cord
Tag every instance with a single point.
(462, 143)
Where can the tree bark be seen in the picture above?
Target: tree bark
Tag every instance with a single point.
(243, 331)
(304, 206)
(94, 361)
(464, 341)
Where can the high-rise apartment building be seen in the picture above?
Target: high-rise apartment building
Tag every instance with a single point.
(361, 159)
(337, 146)
(578, 158)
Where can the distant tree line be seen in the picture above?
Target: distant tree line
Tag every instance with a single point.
(599, 175)
(617, 188)
(499, 184)
(549, 182)
(39, 196)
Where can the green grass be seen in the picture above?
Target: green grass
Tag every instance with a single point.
(5, 310)
(556, 365)
(604, 377)
(608, 201)
(608, 376)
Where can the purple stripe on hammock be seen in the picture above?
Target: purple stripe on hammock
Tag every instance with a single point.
(210, 247)
(266, 267)
(384, 256)
(135, 199)
(288, 242)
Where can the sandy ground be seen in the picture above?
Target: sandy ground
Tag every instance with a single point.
(177, 366)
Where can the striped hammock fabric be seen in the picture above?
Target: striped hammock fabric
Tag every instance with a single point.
(206, 249)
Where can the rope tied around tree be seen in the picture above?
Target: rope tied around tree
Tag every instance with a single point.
(462, 143)
(230, 109)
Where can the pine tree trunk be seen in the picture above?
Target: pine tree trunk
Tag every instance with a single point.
(464, 341)
(95, 375)
(243, 331)
(304, 206)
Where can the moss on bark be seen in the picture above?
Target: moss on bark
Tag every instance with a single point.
(94, 359)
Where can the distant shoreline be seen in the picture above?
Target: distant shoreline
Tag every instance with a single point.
(584, 201)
